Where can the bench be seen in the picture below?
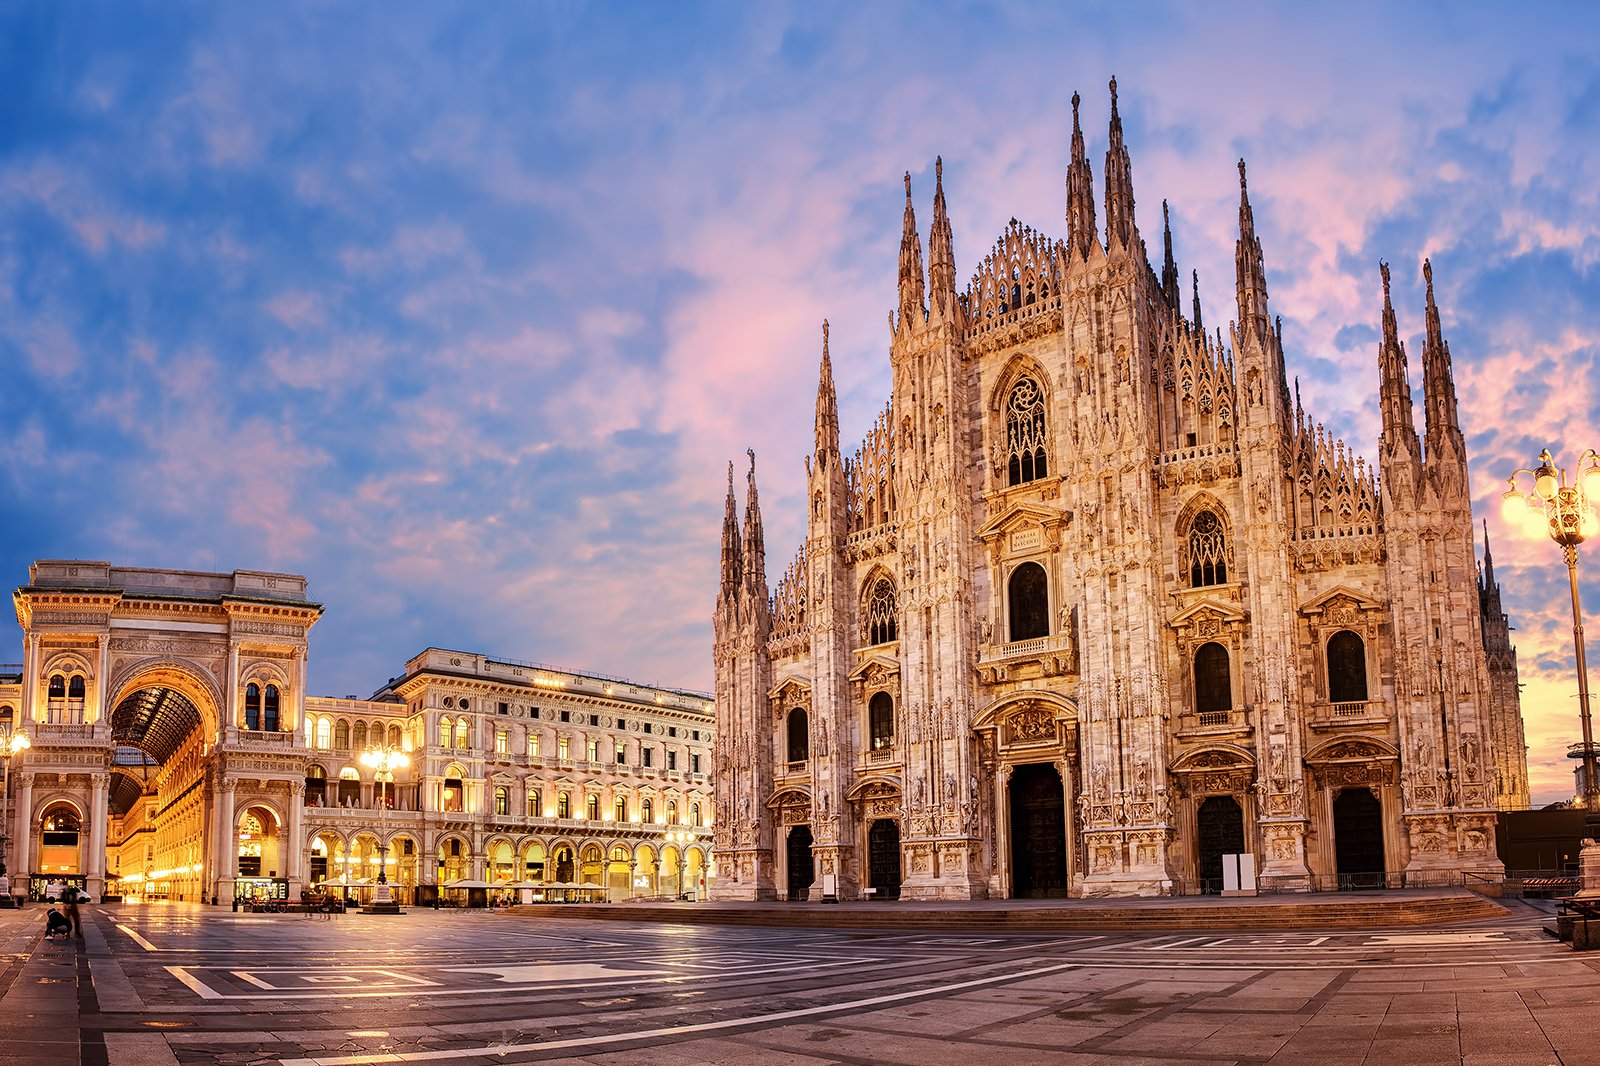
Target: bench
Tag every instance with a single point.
(1578, 920)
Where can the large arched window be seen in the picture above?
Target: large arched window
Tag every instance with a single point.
(358, 737)
(1208, 551)
(592, 808)
(341, 735)
(647, 812)
(502, 800)
(252, 706)
(349, 787)
(695, 816)
(1213, 685)
(881, 609)
(1025, 436)
(324, 732)
(454, 788)
(269, 714)
(1347, 668)
(58, 687)
(316, 785)
(1029, 595)
(461, 732)
(75, 687)
(799, 745)
(447, 727)
(880, 721)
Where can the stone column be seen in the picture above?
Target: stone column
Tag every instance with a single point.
(1064, 767)
(294, 846)
(224, 857)
(99, 816)
(19, 859)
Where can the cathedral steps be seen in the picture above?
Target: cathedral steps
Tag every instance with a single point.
(1363, 910)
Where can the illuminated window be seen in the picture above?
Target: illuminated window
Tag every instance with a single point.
(502, 801)
(502, 742)
(563, 805)
(561, 749)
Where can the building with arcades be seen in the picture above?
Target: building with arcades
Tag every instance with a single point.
(1096, 603)
(173, 753)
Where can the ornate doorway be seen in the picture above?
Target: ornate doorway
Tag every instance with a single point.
(1358, 839)
(883, 858)
(1038, 833)
(1219, 826)
(802, 871)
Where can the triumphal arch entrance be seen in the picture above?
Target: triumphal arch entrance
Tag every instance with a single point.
(162, 707)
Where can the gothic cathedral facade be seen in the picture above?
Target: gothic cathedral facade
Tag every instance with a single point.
(1095, 605)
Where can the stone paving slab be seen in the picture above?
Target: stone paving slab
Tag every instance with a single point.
(173, 985)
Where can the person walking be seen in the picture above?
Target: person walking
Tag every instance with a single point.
(71, 896)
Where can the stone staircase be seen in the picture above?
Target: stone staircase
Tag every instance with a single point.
(1329, 911)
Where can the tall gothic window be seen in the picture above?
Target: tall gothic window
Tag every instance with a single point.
(799, 736)
(1029, 596)
(880, 613)
(880, 720)
(1208, 551)
(1347, 668)
(1213, 686)
(1025, 433)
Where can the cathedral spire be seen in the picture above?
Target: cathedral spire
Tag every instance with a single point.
(941, 256)
(827, 406)
(1081, 232)
(732, 556)
(911, 280)
(1120, 230)
(755, 543)
(1199, 326)
(1488, 562)
(1250, 268)
(1394, 385)
(1438, 379)
(1169, 266)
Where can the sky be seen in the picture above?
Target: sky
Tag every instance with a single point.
(461, 310)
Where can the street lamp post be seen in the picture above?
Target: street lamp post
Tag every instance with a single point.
(13, 745)
(384, 761)
(1567, 513)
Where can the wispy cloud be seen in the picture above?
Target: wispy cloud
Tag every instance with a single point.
(462, 313)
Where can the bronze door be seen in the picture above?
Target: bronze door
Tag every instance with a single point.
(1358, 839)
(1220, 831)
(1038, 833)
(883, 858)
(801, 869)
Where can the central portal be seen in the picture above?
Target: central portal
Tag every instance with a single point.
(1220, 831)
(883, 858)
(1358, 839)
(802, 871)
(1038, 833)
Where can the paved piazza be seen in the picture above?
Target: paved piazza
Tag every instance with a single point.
(172, 983)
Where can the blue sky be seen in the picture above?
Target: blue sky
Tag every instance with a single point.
(460, 311)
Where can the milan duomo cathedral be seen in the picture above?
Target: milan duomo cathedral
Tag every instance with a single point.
(1096, 607)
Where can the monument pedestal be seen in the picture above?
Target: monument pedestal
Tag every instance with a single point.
(383, 901)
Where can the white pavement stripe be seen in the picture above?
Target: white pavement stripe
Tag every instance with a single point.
(671, 1031)
(137, 939)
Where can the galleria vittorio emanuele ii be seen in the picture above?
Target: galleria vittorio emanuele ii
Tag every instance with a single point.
(173, 754)
(1096, 604)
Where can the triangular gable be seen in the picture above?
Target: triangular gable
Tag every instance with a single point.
(1023, 514)
(1362, 601)
(795, 681)
(1226, 612)
(888, 666)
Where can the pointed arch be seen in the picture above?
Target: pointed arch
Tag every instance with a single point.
(880, 608)
(1204, 536)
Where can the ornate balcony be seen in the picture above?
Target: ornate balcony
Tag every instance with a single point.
(1328, 717)
(1041, 656)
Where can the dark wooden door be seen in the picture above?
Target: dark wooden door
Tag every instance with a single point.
(1358, 839)
(883, 858)
(801, 869)
(1038, 833)
(1220, 831)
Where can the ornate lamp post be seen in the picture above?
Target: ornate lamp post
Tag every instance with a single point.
(1567, 513)
(13, 745)
(384, 761)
